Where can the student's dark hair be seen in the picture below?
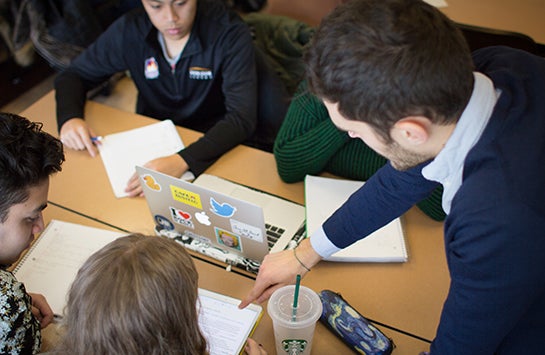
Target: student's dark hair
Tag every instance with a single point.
(382, 60)
(28, 156)
(137, 295)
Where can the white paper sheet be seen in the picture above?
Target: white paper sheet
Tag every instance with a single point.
(437, 3)
(121, 152)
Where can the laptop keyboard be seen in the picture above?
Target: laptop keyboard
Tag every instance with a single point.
(273, 234)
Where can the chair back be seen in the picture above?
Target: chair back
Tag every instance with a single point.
(479, 37)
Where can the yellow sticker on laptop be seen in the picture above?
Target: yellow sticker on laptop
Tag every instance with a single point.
(186, 197)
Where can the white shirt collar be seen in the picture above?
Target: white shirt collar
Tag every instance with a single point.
(448, 166)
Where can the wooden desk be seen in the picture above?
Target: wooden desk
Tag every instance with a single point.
(213, 278)
(525, 16)
(51, 334)
(83, 184)
(405, 296)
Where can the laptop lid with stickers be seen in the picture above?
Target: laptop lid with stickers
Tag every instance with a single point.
(285, 220)
(205, 216)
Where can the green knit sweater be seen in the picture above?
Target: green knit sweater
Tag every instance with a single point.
(309, 143)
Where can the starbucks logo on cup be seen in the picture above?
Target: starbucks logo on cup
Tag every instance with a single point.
(294, 346)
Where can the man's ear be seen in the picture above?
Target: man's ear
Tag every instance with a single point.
(411, 131)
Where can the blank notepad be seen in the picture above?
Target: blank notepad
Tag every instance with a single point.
(323, 196)
(121, 152)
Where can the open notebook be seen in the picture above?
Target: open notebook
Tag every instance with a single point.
(54, 259)
(323, 196)
(51, 264)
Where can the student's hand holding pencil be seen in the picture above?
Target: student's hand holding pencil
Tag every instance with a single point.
(76, 134)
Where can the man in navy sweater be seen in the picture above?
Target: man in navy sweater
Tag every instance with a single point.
(398, 75)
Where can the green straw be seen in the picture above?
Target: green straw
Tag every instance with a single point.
(295, 298)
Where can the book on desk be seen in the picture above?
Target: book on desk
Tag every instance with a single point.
(323, 196)
(52, 263)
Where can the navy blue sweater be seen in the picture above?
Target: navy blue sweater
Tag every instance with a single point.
(495, 232)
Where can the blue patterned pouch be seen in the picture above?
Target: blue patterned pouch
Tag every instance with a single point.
(356, 331)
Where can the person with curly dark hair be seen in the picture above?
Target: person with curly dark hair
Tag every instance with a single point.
(28, 157)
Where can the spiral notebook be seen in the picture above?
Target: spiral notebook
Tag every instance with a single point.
(323, 196)
(51, 264)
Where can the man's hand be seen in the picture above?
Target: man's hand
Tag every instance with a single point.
(173, 165)
(75, 134)
(41, 309)
(280, 269)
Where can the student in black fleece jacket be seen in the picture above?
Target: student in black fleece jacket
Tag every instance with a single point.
(192, 62)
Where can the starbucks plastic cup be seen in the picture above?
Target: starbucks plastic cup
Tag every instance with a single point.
(293, 335)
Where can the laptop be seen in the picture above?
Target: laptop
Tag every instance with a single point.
(222, 219)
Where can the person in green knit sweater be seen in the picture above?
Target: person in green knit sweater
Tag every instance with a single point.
(309, 143)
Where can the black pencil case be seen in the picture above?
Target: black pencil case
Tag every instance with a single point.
(354, 329)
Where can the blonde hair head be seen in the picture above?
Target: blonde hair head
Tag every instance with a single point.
(137, 295)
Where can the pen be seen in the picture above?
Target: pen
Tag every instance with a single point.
(96, 139)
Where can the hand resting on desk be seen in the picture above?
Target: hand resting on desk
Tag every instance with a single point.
(173, 165)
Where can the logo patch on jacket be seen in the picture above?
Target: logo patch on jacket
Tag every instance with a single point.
(151, 69)
(198, 73)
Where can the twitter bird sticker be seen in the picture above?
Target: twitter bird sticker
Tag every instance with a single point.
(222, 209)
